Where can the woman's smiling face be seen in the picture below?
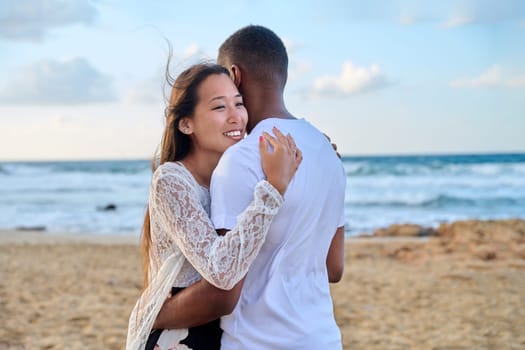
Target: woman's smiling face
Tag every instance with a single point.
(220, 118)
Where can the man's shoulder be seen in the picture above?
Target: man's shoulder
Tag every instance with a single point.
(290, 125)
(247, 147)
(240, 158)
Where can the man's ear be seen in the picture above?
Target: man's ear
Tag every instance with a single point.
(236, 75)
(185, 126)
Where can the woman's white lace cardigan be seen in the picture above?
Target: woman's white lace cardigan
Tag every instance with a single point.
(185, 243)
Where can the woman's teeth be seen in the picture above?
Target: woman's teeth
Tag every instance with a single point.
(233, 133)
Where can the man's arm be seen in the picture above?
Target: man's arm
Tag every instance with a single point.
(196, 305)
(335, 260)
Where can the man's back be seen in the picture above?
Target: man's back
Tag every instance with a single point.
(285, 302)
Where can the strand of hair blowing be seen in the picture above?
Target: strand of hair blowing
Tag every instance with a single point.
(167, 150)
(168, 153)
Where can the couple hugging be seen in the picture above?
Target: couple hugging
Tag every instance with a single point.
(242, 235)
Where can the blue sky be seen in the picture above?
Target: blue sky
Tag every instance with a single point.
(84, 79)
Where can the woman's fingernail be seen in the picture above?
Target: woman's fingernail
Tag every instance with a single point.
(260, 139)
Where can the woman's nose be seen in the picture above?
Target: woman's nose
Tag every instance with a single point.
(235, 115)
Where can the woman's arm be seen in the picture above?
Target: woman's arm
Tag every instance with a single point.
(221, 260)
(335, 260)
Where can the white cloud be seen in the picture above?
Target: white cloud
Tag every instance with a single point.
(148, 91)
(407, 19)
(145, 92)
(191, 51)
(352, 80)
(447, 13)
(457, 21)
(451, 14)
(31, 19)
(491, 78)
(182, 59)
(299, 69)
(67, 82)
(517, 82)
(484, 12)
(291, 46)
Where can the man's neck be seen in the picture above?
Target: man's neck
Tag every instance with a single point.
(263, 104)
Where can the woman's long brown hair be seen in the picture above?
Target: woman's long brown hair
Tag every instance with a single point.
(175, 145)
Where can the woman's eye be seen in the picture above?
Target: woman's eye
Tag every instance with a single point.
(238, 104)
(217, 108)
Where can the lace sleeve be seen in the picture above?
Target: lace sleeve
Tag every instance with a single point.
(221, 260)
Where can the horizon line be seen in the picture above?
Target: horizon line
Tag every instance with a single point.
(343, 156)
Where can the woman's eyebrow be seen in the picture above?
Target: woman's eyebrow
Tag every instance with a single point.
(222, 97)
(216, 98)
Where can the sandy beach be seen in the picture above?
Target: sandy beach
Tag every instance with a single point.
(462, 289)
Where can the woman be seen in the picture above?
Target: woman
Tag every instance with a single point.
(205, 116)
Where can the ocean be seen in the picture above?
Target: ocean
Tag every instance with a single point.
(426, 190)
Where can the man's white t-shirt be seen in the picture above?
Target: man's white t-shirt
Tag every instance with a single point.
(285, 301)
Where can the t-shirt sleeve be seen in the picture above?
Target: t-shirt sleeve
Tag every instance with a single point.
(232, 184)
(341, 221)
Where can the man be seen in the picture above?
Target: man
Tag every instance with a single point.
(284, 302)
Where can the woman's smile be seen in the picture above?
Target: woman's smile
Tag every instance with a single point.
(235, 134)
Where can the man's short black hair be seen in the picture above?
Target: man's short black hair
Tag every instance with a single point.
(258, 50)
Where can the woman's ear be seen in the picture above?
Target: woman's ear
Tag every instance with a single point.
(185, 126)
(236, 75)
